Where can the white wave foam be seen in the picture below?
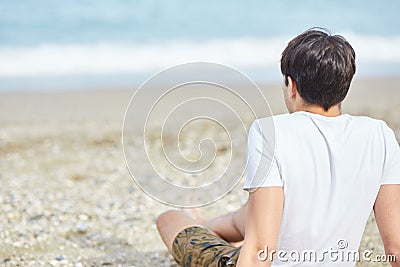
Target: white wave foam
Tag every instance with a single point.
(375, 49)
(49, 60)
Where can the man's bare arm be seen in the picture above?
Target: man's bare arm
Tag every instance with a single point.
(387, 214)
(264, 212)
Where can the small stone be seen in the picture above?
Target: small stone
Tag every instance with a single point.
(54, 263)
(82, 228)
(60, 258)
(83, 217)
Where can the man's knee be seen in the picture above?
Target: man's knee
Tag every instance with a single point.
(166, 218)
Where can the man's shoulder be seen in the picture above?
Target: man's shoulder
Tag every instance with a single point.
(366, 120)
(282, 120)
(275, 118)
(367, 124)
(290, 122)
(299, 117)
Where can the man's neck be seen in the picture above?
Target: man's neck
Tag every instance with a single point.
(331, 112)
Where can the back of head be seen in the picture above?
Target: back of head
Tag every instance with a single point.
(322, 66)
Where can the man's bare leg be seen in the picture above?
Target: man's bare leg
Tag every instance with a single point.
(171, 223)
(230, 226)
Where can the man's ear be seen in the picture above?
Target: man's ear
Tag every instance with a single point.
(292, 87)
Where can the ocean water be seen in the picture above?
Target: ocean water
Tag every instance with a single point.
(54, 44)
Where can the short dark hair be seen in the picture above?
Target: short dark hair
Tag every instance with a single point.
(322, 66)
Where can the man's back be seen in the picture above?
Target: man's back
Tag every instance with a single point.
(313, 175)
(331, 169)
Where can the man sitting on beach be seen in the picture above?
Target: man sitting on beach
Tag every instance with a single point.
(327, 172)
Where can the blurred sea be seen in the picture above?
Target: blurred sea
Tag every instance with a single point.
(75, 44)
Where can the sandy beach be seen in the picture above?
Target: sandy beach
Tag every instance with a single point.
(66, 196)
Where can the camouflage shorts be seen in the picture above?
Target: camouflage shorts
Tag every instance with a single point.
(196, 246)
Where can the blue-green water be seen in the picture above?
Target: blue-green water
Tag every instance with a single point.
(84, 43)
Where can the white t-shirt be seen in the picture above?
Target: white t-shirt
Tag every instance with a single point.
(331, 169)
